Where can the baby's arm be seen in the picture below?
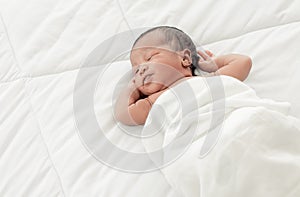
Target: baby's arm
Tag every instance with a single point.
(131, 109)
(234, 65)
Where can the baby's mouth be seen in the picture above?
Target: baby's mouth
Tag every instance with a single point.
(147, 79)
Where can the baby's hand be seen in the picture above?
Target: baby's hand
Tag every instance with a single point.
(206, 61)
(135, 94)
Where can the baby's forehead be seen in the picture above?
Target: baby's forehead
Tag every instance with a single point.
(151, 39)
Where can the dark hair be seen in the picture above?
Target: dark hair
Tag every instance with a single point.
(177, 40)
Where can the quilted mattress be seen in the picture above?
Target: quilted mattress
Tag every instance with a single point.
(43, 45)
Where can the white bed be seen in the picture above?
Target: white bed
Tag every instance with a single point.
(43, 45)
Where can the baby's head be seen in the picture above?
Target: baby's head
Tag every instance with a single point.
(175, 38)
(161, 56)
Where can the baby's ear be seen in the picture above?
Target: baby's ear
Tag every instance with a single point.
(186, 58)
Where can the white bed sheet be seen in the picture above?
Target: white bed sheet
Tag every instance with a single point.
(43, 44)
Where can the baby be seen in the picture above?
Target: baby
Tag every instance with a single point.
(161, 58)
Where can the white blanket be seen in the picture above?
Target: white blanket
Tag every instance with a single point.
(251, 148)
(42, 47)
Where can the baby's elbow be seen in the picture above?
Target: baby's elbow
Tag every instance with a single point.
(247, 65)
(123, 117)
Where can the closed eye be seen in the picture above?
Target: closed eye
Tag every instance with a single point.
(151, 56)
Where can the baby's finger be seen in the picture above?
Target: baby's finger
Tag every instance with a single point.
(203, 55)
(209, 53)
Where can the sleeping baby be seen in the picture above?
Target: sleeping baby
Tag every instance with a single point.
(162, 57)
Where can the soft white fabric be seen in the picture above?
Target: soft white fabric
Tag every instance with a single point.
(44, 43)
(256, 151)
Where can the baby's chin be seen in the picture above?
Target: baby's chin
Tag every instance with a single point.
(151, 88)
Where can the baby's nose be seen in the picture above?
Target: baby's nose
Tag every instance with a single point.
(143, 68)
